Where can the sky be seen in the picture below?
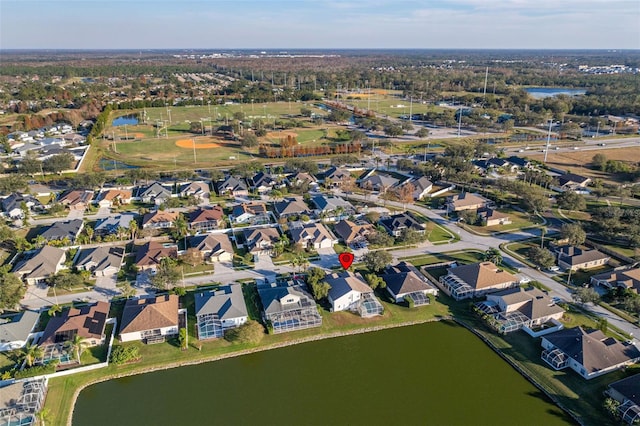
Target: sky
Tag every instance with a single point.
(295, 24)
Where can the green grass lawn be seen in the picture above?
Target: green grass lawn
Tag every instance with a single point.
(519, 220)
(581, 277)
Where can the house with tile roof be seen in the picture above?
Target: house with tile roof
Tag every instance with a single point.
(213, 247)
(17, 329)
(36, 266)
(260, 240)
(101, 261)
(159, 219)
(313, 236)
(515, 308)
(151, 320)
(293, 206)
(76, 199)
(114, 197)
(352, 232)
(404, 280)
(466, 201)
(250, 213)
(87, 321)
(590, 353)
(206, 219)
(219, 310)
(149, 255)
(378, 182)
(466, 281)
(623, 277)
(575, 258)
(349, 292)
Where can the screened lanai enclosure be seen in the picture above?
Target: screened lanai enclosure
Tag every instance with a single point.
(368, 306)
(209, 327)
(20, 402)
(630, 412)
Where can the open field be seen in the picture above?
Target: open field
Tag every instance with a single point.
(578, 161)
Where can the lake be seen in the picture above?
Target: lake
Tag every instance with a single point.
(545, 92)
(129, 120)
(436, 374)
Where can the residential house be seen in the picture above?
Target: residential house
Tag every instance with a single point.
(397, 223)
(260, 241)
(333, 177)
(154, 193)
(575, 258)
(466, 201)
(492, 217)
(12, 205)
(291, 207)
(627, 393)
(288, 307)
(405, 281)
(151, 320)
(623, 277)
(495, 164)
(521, 163)
(17, 329)
(111, 225)
(349, 292)
(87, 322)
(149, 255)
(332, 207)
(313, 236)
(21, 401)
(263, 183)
(516, 307)
(219, 310)
(301, 178)
(200, 190)
(114, 197)
(590, 353)
(422, 187)
(206, 219)
(572, 182)
(250, 213)
(352, 232)
(159, 219)
(39, 265)
(76, 199)
(69, 229)
(233, 187)
(102, 261)
(378, 182)
(463, 282)
(213, 247)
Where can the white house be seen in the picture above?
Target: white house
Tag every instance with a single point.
(220, 310)
(150, 320)
(350, 293)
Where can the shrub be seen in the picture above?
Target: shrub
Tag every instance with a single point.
(38, 370)
(124, 354)
(251, 332)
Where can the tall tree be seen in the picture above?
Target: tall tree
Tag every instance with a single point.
(11, 290)
(574, 233)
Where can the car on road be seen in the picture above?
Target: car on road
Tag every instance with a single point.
(602, 144)
(557, 300)
(553, 268)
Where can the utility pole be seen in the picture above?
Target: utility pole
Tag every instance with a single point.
(484, 93)
(459, 120)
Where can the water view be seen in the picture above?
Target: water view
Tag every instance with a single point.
(545, 92)
(437, 374)
(129, 120)
(107, 164)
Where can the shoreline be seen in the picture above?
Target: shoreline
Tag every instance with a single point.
(214, 358)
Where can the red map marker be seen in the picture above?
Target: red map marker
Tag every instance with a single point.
(346, 259)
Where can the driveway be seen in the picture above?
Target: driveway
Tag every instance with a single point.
(75, 214)
(328, 258)
(107, 286)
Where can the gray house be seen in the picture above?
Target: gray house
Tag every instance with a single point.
(288, 307)
(16, 329)
(101, 261)
(218, 310)
(39, 265)
(60, 230)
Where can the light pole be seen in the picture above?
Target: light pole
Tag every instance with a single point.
(209, 105)
(546, 151)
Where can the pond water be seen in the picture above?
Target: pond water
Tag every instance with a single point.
(107, 164)
(545, 92)
(129, 120)
(436, 374)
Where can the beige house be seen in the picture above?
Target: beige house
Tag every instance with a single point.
(575, 258)
(313, 236)
(476, 279)
(260, 241)
(150, 320)
(159, 219)
(492, 217)
(351, 232)
(466, 201)
(76, 199)
(149, 255)
(40, 265)
(213, 247)
(519, 308)
(625, 277)
(112, 197)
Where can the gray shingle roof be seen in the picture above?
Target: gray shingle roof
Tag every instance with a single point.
(60, 230)
(343, 282)
(103, 257)
(227, 302)
(18, 327)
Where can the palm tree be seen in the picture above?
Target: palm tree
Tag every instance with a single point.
(181, 228)
(133, 229)
(77, 345)
(30, 353)
(493, 255)
(543, 231)
(89, 233)
(53, 310)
